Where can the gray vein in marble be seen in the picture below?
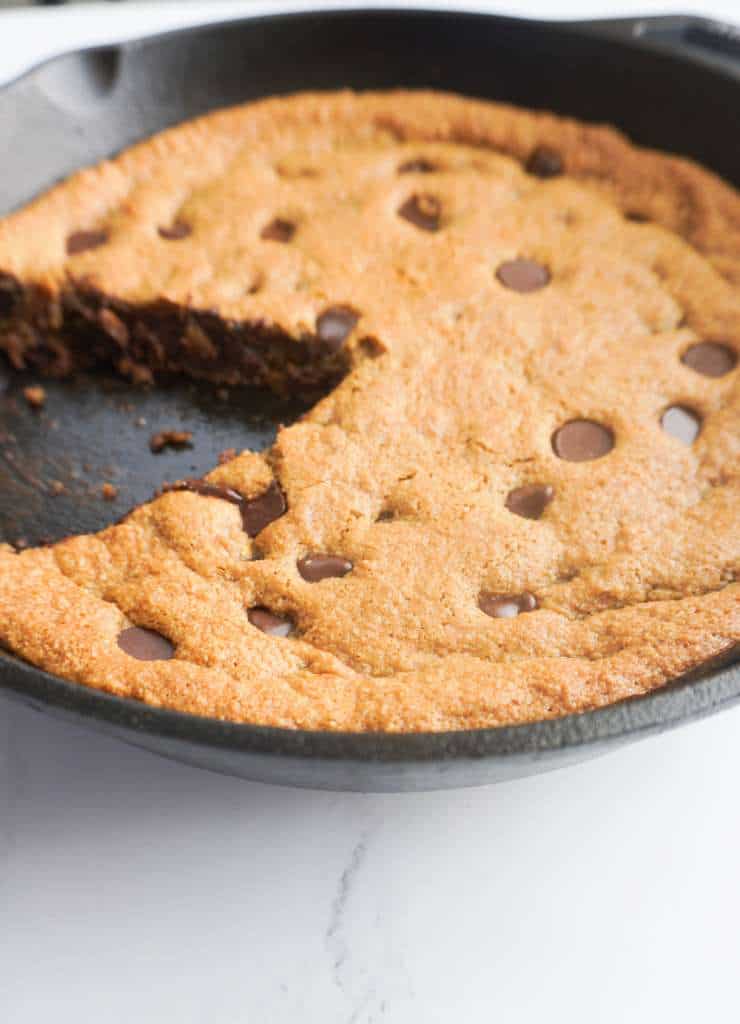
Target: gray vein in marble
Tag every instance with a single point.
(335, 936)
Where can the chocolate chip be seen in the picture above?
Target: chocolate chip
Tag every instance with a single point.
(423, 211)
(278, 230)
(682, 423)
(335, 324)
(419, 165)
(269, 623)
(314, 568)
(636, 217)
(710, 359)
(523, 275)
(177, 230)
(506, 606)
(257, 513)
(371, 347)
(79, 241)
(530, 500)
(582, 440)
(207, 490)
(145, 644)
(545, 162)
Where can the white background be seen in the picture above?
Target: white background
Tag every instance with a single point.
(136, 890)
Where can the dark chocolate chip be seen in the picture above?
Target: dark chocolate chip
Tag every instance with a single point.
(79, 241)
(278, 230)
(176, 231)
(371, 347)
(419, 165)
(423, 211)
(582, 440)
(145, 644)
(207, 490)
(682, 423)
(710, 359)
(259, 512)
(545, 162)
(314, 568)
(506, 606)
(335, 324)
(269, 623)
(530, 500)
(523, 275)
(636, 217)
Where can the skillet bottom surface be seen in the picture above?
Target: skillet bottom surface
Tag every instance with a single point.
(96, 429)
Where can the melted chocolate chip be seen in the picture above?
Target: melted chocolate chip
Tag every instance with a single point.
(79, 241)
(145, 644)
(176, 231)
(335, 325)
(257, 513)
(207, 490)
(423, 211)
(710, 359)
(314, 568)
(523, 275)
(269, 623)
(582, 440)
(419, 165)
(530, 500)
(506, 606)
(278, 230)
(545, 162)
(682, 423)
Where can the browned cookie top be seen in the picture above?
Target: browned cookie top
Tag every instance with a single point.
(522, 500)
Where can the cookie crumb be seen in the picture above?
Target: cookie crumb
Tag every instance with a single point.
(109, 492)
(170, 439)
(226, 456)
(140, 421)
(222, 394)
(56, 487)
(35, 396)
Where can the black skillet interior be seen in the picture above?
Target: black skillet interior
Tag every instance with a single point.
(672, 83)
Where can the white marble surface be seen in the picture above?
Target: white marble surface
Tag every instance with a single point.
(135, 889)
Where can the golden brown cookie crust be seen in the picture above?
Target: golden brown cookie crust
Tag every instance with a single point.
(456, 385)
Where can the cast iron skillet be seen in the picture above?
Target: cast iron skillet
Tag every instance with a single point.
(672, 83)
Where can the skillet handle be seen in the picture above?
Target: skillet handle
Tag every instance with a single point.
(714, 43)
